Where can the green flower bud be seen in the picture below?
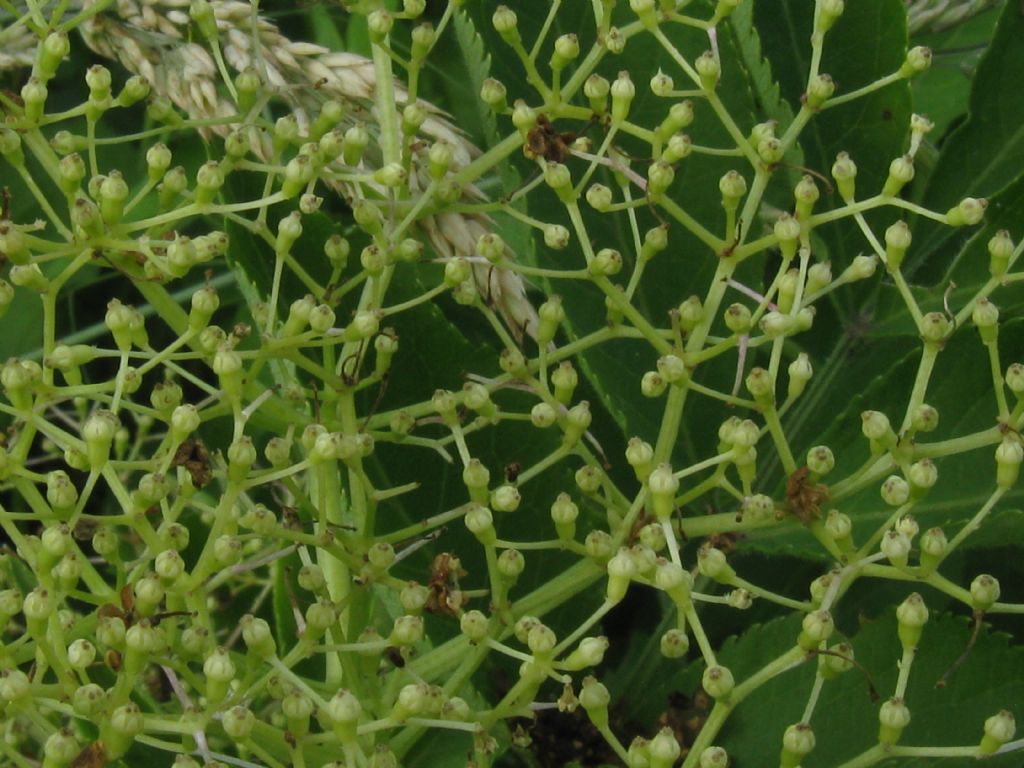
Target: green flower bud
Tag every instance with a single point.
(1009, 455)
(818, 276)
(800, 372)
(771, 151)
(967, 213)
(195, 641)
(661, 84)
(876, 428)
(718, 682)
(737, 319)
(185, 420)
(33, 97)
(238, 723)
(622, 92)
(169, 566)
(60, 749)
(564, 513)
(836, 662)
(709, 70)
(901, 173)
(594, 697)
(984, 591)
(227, 550)
(480, 523)
(615, 41)
(797, 743)
(680, 116)
(919, 59)
(760, 385)
(87, 700)
(758, 507)
(542, 415)
(652, 384)
(473, 625)
(712, 563)
(599, 197)
(354, 144)
(105, 542)
(816, 628)
(911, 615)
(511, 564)
(861, 268)
(598, 545)
(54, 48)
(98, 433)
(895, 545)
(29, 276)
(733, 187)
(844, 171)
(596, 89)
(621, 570)
(175, 182)
(674, 644)
(999, 729)
(505, 23)
(1000, 251)
(895, 491)
(664, 750)
(935, 328)
(673, 370)
(588, 479)
(922, 476)
(659, 178)
(893, 718)
(412, 700)
(714, 757)
(897, 241)
(678, 147)
(567, 49)
(663, 486)
(15, 687)
(828, 14)
(819, 90)
(839, 527)
(556, 237)
(118, 733)
(241, 455)
(578, 421)
(505, 498)
(227, 364)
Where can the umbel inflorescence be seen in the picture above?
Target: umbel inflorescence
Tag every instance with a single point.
(270, 508)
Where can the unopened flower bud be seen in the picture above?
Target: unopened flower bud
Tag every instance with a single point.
(984, 591)
(1000, 251)
(797, 742)
(968, 212)
(919, 59)
(893, 718)
(718, 682)
(895, 545)
(911, 615)
(999, 729)
(622, 92)
(844, 171)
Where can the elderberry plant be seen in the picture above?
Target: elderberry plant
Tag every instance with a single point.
(332, 439)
